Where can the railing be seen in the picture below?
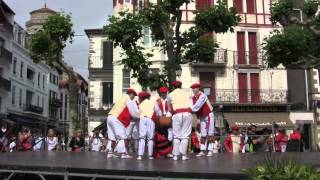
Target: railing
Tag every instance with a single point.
(5, 84)
(96, 104)
(255, 96)
(247, 58)
(33, 108)
(96, 62)
(6, 54)
(55, 103)
(220, 57)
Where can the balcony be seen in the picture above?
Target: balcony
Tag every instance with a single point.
(55, 103)
(247, 59)
(7, 26)
(5, 55)
(250, 96)
(220, 61)
(5, 84)
(33, 109)
(97, 107)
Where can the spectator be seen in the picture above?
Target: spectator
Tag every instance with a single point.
(281, 141)
(52, 141)
(4, 142)
(38, 141)
(262, 142)
(234, 141)
(25, 140)
(295, 142)
(96, 142)
(77, 142)
(12, 144)
(249, 137)
(87, 139)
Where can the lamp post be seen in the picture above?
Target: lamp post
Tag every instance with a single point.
(178, 71)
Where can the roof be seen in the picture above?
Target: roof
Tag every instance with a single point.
(97, 31)
(43, 10)
(6, 7)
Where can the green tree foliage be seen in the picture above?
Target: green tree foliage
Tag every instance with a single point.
(164, 19)
(297, 45)
(282, 170)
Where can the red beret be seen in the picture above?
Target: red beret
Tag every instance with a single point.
(176, 83)
(131, 91)
(163, 89)
(195, 85)
(143, 94)
(235, 128)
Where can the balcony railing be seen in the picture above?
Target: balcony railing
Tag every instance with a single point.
(252, 96)
(33, 108)
(5, 84)
(5, 54)
(247, 58)
(96, 62)
(220, 58)
(55, 103)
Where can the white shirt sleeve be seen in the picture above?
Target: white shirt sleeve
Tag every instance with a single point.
(197, 106)
(133, 109)
(157, 109)
(170, 134)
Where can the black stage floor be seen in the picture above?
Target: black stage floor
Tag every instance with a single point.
(220, 166)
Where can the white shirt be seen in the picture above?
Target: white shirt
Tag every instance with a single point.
(158, 109)
(52, 143)
(96, 144)
(200, 102)
(133, 109)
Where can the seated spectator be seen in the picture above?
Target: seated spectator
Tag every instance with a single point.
(52, 141)
(295, 141)
(281, 141)
(77, 142)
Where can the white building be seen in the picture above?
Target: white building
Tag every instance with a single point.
(237, 78)
(6, 38)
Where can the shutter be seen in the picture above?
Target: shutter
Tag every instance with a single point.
(250, 6)
(114, 3)
(243, 88)
(253, 52)
(107, 54)
(255, 89)
(203, 4)
(107, 93)
(121, 2)
(238, 5)
(241, 48)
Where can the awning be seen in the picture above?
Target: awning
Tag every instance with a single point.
(102, 126)
(261, 120)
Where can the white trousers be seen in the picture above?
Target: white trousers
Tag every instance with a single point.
(207, 129)
(117, 133)
(181, 125)
(146, 132)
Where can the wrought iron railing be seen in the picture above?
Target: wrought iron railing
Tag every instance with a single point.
(220, 57)
(6, 54)
(96, 62)
(56, 103)
(5, 84)
(253, 96)
(33, 108)
(251, 58)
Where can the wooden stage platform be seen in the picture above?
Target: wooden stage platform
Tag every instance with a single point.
(95, 165)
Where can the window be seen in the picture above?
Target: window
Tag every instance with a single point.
(238, 5)
(107, 54)
(21, 70)
(253, 52)
(53, 79)
(20, 97)
(14, 68)
(42, 102)
(43, 81)
(39, 79)
(61, 99)
(241, 47)
(38, 101)
(30, 74)
(2, 42)
(13, 93)
(107, 93)
(250, 6)
(65, 107)
(125, 80)
(147, 37)
(29, 97)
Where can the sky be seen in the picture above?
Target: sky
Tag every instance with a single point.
(86, 14)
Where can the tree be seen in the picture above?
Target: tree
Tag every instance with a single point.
(164, 19)
(47, 46)
(297, 45)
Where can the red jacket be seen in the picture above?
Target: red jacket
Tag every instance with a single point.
(230, 144)
(281, 139)
(296, 135)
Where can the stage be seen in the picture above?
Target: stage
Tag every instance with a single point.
(95, 165)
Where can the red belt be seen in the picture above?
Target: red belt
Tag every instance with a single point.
(182, 110)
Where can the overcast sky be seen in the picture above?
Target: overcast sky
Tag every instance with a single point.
(86, 14)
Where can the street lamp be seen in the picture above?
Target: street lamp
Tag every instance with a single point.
(178, 71)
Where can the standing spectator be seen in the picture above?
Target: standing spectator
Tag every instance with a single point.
(77, 142)
(295, 142)
(234, 142)
(38, 141)
(262, 142)
(52, 141)
(25, 140)
(249, 137)
(281, 141)
(96, 142)
(4, 138)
